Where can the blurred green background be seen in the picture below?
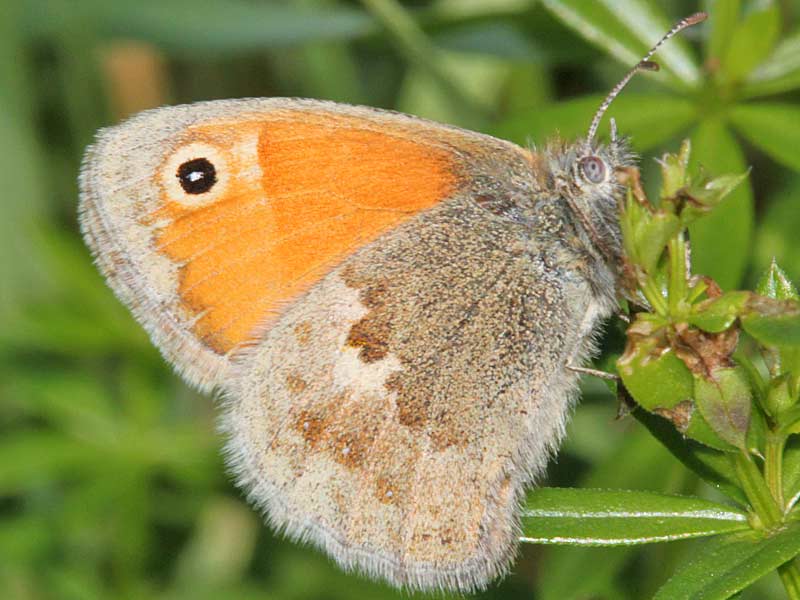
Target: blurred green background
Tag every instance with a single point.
(111, 483)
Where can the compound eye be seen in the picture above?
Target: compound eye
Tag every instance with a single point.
(197, 176)
(593, 168)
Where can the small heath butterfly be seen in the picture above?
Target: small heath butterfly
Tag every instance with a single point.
(390, 310)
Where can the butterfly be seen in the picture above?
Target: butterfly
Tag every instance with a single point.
(392, 311)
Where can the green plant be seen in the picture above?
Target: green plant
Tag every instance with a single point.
(692, 358)
(679, 361)
(110, 481)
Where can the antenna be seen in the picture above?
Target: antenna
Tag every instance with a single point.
(643, 65)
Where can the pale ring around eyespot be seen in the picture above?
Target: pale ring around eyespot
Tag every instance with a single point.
(172, 184)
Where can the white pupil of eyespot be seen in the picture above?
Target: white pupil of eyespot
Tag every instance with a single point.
(195, 176)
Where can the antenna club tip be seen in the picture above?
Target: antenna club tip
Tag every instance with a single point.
(696, 18)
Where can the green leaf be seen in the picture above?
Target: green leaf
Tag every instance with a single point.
(773, 322)
(319, 62)
(789, 421)
(725, 565)
(552, 41)
(699, 430)
(627, 33)
(460, 10)
(718, 314)
(774, 283)
(776, 235)
(790, 364)
(713, 254)
(778, 397)
(491, 38)
(711, 465)
(780, 72)
(772, 127)
(646, 20)
(652, 235)
(622, 517)
(723, 19)
(751, 42)
(646, 364)
(183, 26)
(478, 78)
(791, 471)
(675, 170)
(724, 400)
(653, 469)
(631, 218)
(705, 197)
(648, 119)
(757, 432)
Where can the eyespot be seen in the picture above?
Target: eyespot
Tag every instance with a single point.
(593, 168)
(197, 176)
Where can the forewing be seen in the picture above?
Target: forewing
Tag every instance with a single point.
(300, 185)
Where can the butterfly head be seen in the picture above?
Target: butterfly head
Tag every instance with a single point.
(588, 175)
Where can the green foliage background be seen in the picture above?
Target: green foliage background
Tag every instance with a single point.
(111, 483)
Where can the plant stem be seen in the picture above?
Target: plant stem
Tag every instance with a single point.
(790, 576)
(757, 491)
(654, 297)
(773, 465)
(677, 273)
(773, 476)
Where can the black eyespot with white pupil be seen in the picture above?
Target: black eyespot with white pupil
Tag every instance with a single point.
(593, 168)
(197, 176)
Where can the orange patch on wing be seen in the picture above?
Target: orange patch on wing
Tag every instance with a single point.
(329, 184)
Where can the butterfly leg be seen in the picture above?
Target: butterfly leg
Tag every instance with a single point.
(594, 373)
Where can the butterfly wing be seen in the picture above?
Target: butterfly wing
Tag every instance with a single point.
(389, 329)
